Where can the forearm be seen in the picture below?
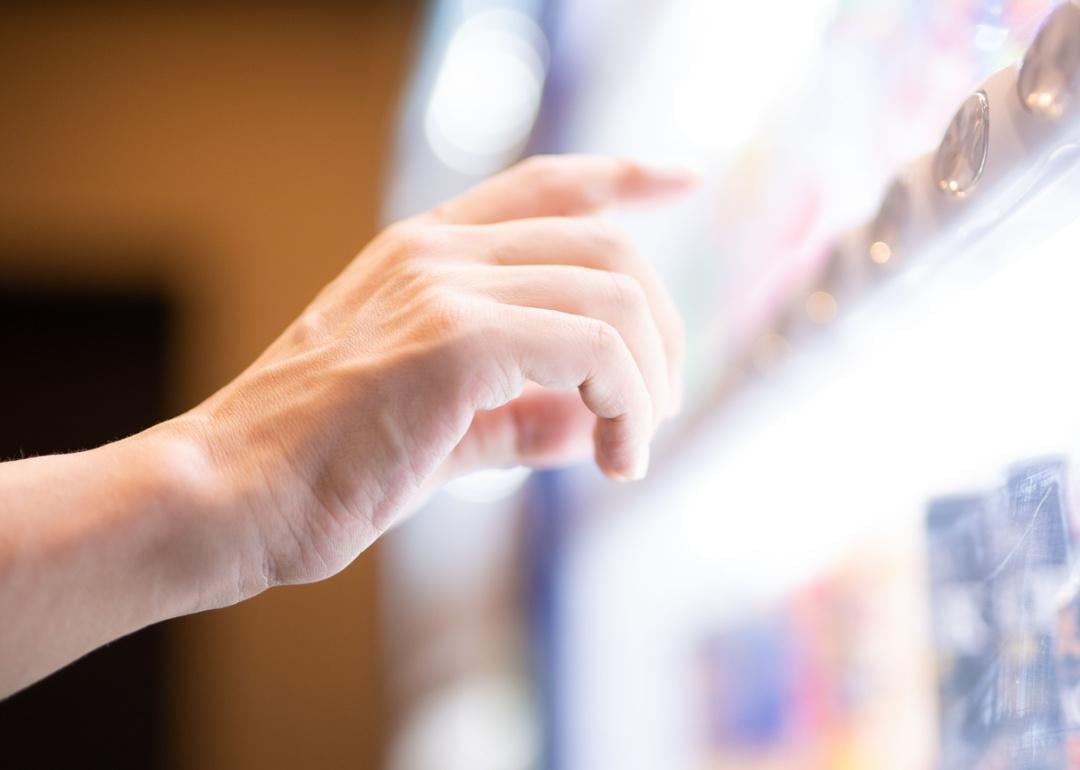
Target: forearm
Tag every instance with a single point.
(97, 544)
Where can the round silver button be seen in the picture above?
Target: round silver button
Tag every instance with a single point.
(1048, 76)
(962, 156)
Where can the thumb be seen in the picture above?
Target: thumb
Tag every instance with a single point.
(539, 429)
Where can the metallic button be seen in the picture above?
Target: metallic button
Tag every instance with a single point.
(962, 156)
(1048, 76)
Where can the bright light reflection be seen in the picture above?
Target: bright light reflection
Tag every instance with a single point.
(989, 37)
(880, 252)
(482, 723)
(488, 91)
(749, 50)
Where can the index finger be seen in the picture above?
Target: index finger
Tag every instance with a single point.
(562, 185)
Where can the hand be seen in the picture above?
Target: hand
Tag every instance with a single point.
(456, 340)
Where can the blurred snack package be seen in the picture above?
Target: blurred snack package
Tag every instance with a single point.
(837, 676)
(1003, 602)
(856, 670)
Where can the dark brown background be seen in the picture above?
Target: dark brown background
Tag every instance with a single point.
(216, 165)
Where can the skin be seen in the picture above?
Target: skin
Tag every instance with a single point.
(506, 326)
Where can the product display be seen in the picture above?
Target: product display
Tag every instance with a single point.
(857, 548)
(1000, 566)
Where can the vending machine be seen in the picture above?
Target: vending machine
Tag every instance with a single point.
(857, 547)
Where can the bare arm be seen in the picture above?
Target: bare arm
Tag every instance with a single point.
(503, 327)
(94, 545)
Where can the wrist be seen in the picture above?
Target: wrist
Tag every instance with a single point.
(109, 540)
(198, 548)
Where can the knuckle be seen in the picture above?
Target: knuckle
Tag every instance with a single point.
(616, 383)
(539, 165)
(440, 212)
(550, 178)
(626, 169)
(449, 346)
(464, 348)
(411, 239)
(609, 243)
(443, 310)
(605, 339)
(412, 278)
(562, 181)
(444, 212)
(457, 324)
(627, 292)
(396, 231)
(310, 327)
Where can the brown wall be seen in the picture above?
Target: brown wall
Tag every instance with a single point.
(234, 156)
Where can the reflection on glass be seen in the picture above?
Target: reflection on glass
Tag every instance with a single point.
(1048, 76)
(960, 159)
(880, 252)
(488, 91)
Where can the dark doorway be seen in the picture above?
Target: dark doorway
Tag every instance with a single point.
(80, 369)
